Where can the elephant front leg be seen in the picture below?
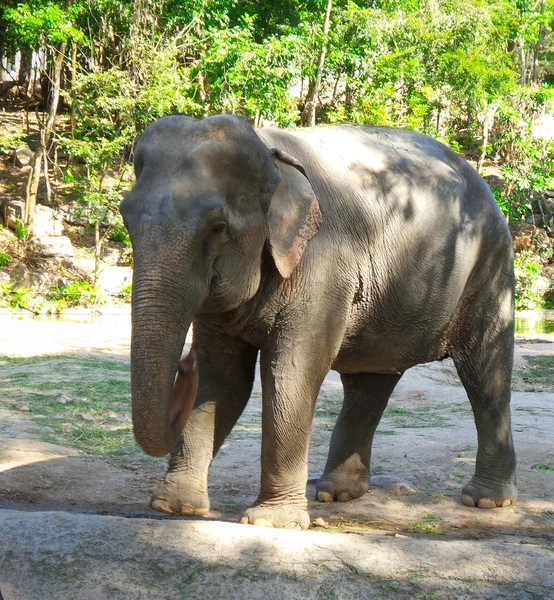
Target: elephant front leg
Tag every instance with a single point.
(226, 368)
(289, 391)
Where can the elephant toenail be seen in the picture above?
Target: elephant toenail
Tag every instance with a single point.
(293, 525)
(262, 522)
(468, 500)
(324, 497)
(160, 505)
(244, 520)
(344, 497)
(506, 502)
(486, 503)
(187, 509)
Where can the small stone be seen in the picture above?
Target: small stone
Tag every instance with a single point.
(403, 489)
(24, 408)
(23, 155)
(64, 399)
(113, 415)
(85, 400)
(86, 417)
(55, 246)
(319, 522)
(461, 455)
(401, 536)
(393, 484)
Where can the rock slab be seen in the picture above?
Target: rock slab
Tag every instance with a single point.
(60, 556)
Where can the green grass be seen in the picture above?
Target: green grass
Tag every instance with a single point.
(542, 467)
(414, 417)
(429, 524)
(98, 387)
(540, 370)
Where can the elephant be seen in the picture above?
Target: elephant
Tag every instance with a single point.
(360, 249)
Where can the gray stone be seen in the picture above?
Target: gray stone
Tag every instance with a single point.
(23, 155)
(38, 281)
(47, 222)
(12, 211)
(394, 485)
(111, 256)
(74, 214)
(83, 266)
(53, 246)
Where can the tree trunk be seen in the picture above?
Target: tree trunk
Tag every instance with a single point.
(313, 90)
(523, 59)
(487, 124)
(536, 51)
(46, 130)
(73, 84)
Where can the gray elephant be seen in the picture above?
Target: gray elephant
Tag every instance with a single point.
(366, 250)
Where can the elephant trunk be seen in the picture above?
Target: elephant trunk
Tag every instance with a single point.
(161, 402)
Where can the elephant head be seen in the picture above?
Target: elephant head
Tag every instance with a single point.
(208, 197)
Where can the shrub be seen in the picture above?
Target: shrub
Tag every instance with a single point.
(527, 268)
(75, 293)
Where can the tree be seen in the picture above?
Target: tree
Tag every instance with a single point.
(315, 80)
(47, 26)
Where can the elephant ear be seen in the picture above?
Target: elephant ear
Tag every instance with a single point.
(294, 216)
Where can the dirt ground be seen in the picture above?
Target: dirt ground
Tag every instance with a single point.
(426, 441)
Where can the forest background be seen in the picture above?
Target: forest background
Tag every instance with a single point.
(92, 74)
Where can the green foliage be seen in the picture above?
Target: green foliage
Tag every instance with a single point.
(250, 78)
(10, 140)
(21, 298)
(436, 67)
(4, 259)
(21, 231)
(429, 524)
(527, 269)
(126, 291)
(76, 293)
(120, 234)
(430, 71)
(37, 23)
(5, 294)
(527, 163)
(542, 467)
(528, 174)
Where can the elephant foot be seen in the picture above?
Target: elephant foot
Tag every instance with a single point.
(176, 496)
(483, 496)
(284, 516)
(331, 488)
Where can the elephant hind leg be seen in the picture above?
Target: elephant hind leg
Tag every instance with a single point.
(346, 474)
(483, 355)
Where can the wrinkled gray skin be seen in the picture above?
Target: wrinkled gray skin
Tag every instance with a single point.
(366, 250)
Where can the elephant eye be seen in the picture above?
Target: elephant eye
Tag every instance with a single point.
(219, 227)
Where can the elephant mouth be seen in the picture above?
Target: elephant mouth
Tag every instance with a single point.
(183, 394)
